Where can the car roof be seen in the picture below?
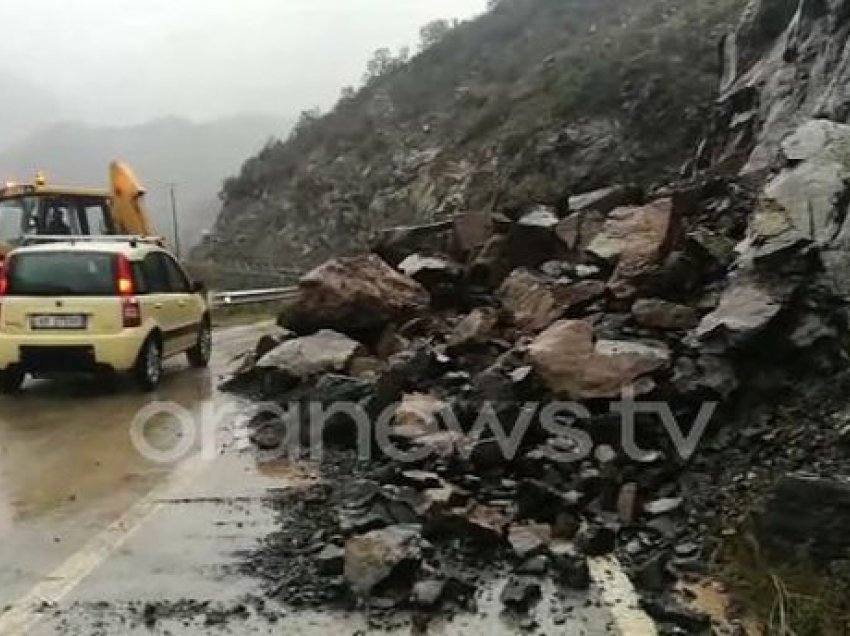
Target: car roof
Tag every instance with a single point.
(130, 248)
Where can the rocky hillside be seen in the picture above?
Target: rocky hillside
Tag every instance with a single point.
(725, 289)
(533, 101)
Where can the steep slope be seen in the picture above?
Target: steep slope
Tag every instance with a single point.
(195, 157)
(788, 60)
(535, 100)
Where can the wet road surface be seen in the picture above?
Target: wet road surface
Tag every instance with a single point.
(91, 529)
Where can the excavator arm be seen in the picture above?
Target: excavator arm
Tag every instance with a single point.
(128, 206)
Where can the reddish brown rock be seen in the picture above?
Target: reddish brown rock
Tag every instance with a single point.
(635, 240)
(471, 232)
(574, 366)
(580, 293)
(475, 328)
(355, 295)
(535, 301)
(530, 300)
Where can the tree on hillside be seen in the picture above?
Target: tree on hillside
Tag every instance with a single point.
(433, 32)
(383, 61)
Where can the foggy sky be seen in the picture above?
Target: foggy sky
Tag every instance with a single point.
(125, 61)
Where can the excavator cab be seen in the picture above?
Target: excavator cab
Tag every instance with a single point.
(38, 209)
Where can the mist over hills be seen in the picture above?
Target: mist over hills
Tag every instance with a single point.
(196, 157)
(25, 108)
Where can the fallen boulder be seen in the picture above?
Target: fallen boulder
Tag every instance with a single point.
(635, 240)
(579, 229)
(572, 365)
(747, 306)
(395, 244)
(438, 275)
(392, 553)
(530, 299)
(475, 328)
(661, 314)
(323, 352)
(355, 295)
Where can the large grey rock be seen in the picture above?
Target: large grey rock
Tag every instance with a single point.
(605, 199)
(572, 365)
(324, 352)
(778, 43)
(661, 314)
(813, 187)
(374, 557)
(747, 306)
(354, 295)
(396, 244)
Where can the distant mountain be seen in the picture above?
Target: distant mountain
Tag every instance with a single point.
(26, 108)
(195, 157)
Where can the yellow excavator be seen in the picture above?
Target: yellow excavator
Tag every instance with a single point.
(28, 211)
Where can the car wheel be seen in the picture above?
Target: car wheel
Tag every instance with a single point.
(11, 380)
(148, 369)
(199, 355)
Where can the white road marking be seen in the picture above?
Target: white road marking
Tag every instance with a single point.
(25, 612)
(620, 598)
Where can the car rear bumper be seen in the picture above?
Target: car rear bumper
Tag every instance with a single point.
(70, 353)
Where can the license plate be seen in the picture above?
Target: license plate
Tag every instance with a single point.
(57, 321)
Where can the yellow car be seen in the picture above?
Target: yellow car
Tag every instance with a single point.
(98, 304)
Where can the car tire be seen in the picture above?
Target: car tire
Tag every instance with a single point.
(11, 380)
(148, 370)
(199, 355)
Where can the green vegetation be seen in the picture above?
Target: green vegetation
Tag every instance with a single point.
(791, 600)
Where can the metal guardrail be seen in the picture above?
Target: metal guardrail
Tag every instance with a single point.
(252, 296)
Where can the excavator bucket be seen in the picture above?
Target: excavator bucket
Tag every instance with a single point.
(128, 205)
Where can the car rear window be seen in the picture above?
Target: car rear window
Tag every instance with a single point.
(62, 274)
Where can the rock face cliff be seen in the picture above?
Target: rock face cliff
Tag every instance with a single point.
(532, 102)
(781, 120)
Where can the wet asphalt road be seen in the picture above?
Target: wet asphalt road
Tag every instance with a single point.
(91, 529)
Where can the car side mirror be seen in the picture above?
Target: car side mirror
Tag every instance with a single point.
(198, 287)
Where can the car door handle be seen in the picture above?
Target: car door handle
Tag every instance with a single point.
(158, 306)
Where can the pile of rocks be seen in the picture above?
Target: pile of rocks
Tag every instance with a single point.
(707, 292)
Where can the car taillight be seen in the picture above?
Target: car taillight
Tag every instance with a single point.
(4, 280)
(124, 277)
(131, 313)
